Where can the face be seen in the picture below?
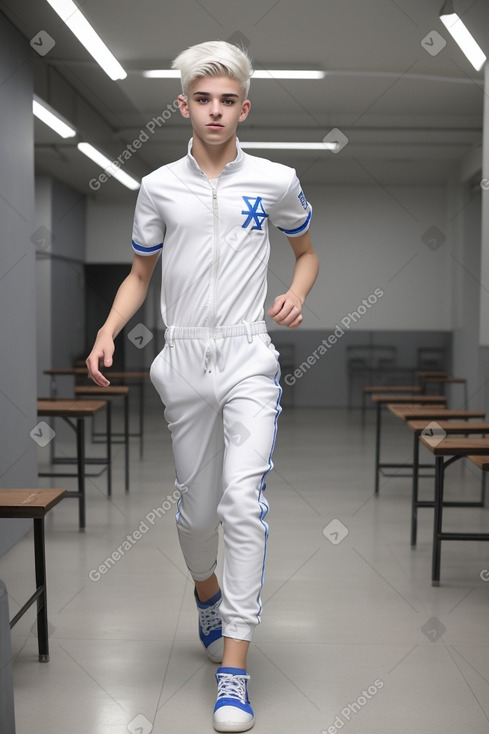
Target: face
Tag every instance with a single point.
(215, 106)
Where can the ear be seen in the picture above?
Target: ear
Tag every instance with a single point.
(245, 110)
(182, 100)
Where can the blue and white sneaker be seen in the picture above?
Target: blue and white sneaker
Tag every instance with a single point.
(232, 711)
(210, 626)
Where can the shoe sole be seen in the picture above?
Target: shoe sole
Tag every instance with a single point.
(233, 727)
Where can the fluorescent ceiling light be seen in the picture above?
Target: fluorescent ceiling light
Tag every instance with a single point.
(76, 22)
(162, 73)
(288, 146)
(257, 74)
(288, 74)
(110, 168)
(51, 118)
(462, 36)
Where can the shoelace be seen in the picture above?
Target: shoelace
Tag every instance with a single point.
(232, 686)
(210, 619)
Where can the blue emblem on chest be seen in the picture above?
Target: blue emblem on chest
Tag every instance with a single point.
(255, 212)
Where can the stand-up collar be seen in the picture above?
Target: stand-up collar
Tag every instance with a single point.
(231, 166)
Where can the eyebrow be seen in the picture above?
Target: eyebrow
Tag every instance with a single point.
(225, 94)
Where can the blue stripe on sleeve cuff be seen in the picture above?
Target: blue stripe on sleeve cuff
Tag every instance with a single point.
(146, 250)
(300, 229)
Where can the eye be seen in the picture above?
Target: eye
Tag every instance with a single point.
(202, 99)
(228, 102)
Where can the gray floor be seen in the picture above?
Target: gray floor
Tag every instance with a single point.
(353, 634)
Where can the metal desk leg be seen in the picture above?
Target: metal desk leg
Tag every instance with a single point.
(80, 455)
(141, 416)
(42, 599)
(414, 506)
(377, 446)
(438, 521)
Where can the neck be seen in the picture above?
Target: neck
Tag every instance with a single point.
(213, 159)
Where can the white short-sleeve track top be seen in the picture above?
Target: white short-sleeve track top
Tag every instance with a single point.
(213, 238)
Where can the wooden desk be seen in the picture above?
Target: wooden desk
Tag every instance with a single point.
(392, 389)
(78, 410)
(35, 504)
(431, 379)
(140, 376)
(454, 448)
(382, 399)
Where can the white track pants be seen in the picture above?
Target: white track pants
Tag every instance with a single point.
(221, 392)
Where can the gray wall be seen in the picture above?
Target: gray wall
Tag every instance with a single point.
(60, 281)
(18, 466)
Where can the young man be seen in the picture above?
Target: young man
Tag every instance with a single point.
(207, 214)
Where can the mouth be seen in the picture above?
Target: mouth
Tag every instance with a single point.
(214, 126)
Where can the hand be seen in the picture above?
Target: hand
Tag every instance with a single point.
(287, 310)
(103, 349)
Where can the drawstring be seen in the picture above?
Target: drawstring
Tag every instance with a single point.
(169, 336)
(212, 347)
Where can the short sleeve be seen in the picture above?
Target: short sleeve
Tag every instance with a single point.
(148, 228)
(292, 213)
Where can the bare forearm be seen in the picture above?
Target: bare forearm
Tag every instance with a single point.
(128, 299)
(305, 273)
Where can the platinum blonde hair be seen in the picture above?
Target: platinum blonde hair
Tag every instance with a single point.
(214, 58)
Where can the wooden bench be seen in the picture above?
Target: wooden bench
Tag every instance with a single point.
(383, 399)
(453, 449)
(445, 427)
(78, 411)
(35, 504)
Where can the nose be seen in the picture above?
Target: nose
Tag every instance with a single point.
(215, 110)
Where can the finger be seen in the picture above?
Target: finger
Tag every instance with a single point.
(94, 372)
(277, 306)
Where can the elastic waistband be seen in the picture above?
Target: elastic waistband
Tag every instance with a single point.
(218, 332)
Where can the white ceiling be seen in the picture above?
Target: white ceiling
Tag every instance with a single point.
(409, 116)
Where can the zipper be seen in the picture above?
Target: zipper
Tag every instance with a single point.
(215, 258)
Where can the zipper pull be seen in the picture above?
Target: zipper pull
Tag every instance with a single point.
(214, 194)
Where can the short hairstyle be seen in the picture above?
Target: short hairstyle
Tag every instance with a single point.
(214, 58)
